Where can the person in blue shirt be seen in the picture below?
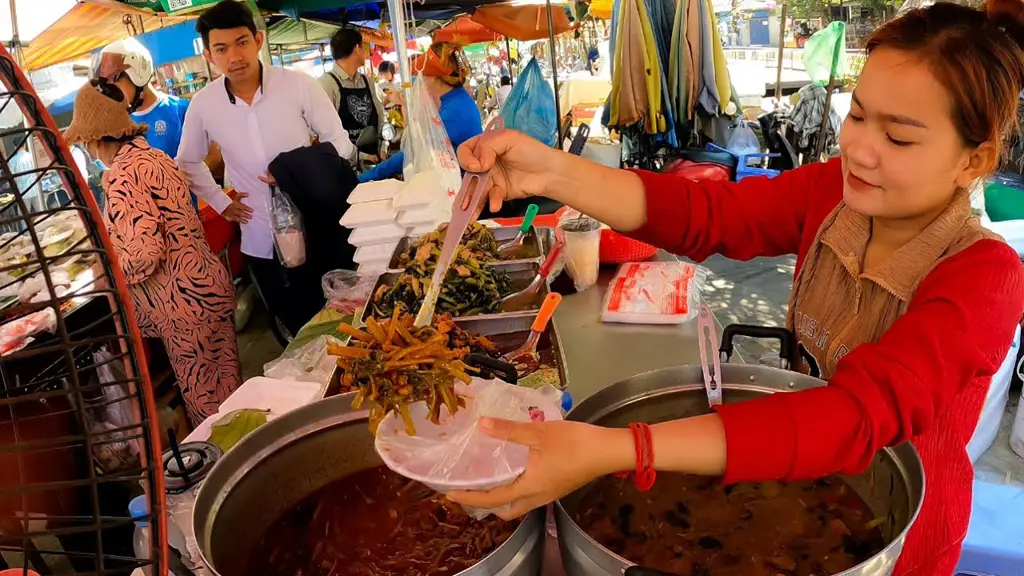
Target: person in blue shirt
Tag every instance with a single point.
(128, 65)
(444, 69)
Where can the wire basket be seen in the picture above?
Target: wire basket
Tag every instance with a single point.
(78, 436)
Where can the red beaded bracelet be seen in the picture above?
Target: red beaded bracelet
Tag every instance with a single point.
(643, 444)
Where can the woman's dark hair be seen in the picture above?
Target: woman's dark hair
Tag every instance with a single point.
(386, 66)
(344, 42)
(225, 15)
(975, 54)
(506, 81)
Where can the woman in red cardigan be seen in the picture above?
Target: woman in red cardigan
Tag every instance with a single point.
(901, 301)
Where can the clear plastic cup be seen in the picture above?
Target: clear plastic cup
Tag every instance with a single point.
(582, 251)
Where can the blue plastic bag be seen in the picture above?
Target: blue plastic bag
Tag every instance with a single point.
(530, 107)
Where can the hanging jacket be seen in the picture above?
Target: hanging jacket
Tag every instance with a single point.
(678, 66)
(318, 181)
(662, 14)
(707, 93)
(637, 83)
(693, 41)
(723, 83)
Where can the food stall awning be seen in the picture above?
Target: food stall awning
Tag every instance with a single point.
(85, 28)
(464, 31)
(523, 20)
(290, 32)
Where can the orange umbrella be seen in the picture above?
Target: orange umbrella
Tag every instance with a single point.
(464, 31)
(522, 21)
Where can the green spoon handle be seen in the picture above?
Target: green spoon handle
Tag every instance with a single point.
(531, 213)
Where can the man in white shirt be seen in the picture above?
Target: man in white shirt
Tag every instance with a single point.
(501, 94)
(253, 113)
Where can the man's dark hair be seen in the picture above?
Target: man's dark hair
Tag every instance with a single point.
(386, 66)
(344, 42)
(506, 81)
(225, 15)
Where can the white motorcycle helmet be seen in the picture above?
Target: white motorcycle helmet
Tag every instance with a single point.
(128, 57)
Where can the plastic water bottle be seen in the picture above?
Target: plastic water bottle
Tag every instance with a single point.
(138, 510)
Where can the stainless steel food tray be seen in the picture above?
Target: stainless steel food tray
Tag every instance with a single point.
(521, 274)
(509, 334)
(537, 239)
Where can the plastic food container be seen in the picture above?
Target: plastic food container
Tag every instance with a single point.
(374, 191)
(369, 214)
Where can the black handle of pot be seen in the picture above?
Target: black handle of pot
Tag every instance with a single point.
(644, 571)
(492, 367)
(787, 341)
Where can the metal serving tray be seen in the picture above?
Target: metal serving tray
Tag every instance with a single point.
(521, 274)
(509, 334)
(538, 240)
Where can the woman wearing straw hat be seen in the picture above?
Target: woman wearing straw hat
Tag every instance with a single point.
(182, 293)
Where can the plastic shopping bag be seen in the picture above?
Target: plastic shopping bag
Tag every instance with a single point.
(530, 107)
(825, 53)
(654, 293)
(742, 140)
(289, 234)
(108, 408)
(455, 454)
(425, 142)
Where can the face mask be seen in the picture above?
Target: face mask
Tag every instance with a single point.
(94, 159)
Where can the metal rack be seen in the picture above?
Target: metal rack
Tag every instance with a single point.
(60, 513)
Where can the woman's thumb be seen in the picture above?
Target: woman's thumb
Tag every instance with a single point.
(524, 433)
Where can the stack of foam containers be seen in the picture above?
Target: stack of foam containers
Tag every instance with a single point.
(423, 203)
(373, 221)
(382, 213)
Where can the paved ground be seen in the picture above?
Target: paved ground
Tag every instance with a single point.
(754, 292)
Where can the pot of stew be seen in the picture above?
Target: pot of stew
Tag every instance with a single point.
(849, 525)
(307, 494)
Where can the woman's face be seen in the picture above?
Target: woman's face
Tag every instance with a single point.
(902, 155)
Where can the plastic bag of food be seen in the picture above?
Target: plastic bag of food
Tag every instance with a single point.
(530, 107)
(346, 291)
(454, 454)
(17, 334)
(425, 142)
(289, 234)
(654, 293)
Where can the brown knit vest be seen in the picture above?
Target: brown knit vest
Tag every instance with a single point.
(835, 307)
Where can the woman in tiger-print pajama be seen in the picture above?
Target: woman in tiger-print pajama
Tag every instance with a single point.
(181, 292)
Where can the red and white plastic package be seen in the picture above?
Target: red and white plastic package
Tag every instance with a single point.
(654, 293)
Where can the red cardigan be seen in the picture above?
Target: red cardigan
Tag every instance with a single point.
(925, 380)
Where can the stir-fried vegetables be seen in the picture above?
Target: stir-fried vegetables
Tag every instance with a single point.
(393, 364)
(470, 286)
(478, 240)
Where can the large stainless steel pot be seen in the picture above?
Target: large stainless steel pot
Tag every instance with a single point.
(893, 486)
(294, 455)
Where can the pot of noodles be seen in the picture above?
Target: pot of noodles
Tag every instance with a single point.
(849, 525)
(307, 494)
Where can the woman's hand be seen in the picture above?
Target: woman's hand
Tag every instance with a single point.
(520, 166)
(563, 457)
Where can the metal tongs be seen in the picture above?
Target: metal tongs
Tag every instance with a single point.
(713, 370)
(474, 185)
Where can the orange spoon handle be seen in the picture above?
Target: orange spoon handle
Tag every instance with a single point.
(547, 309)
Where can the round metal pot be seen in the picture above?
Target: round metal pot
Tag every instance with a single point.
(292, 456)
(893, 487)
